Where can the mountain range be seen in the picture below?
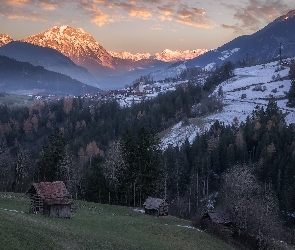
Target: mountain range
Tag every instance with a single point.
(92, 64)
(107, 67)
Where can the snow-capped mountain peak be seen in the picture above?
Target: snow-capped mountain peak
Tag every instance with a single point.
(73, 43)
(130, 56)
(5, 39)
(168, 55)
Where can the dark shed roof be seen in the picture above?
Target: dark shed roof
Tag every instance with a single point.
(153, 203)
(51, 192)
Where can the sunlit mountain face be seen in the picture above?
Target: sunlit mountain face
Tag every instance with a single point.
(5, 39)
(73, 43)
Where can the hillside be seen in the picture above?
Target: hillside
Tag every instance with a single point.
(257, 84)
(95, 226)
(259, 47)
(24, 78)
(48, 58)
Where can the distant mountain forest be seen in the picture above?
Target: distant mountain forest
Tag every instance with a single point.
(108, 154)
(16, 76)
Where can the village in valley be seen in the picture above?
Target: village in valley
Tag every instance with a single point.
(140, 91)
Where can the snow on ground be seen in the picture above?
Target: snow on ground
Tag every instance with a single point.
(139, 210)
(228, 53)
(14, 211)
(240, 100)
(190, 227)
(179, 134)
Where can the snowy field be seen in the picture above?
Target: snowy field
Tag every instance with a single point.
(250, 87)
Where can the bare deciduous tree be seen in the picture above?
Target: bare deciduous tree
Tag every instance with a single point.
(254, 208)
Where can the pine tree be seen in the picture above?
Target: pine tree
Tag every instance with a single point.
(49, 166)
(141, 154)
(291, 94)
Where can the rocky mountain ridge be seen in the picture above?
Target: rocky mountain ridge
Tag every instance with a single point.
(5, 39)
(73, 43)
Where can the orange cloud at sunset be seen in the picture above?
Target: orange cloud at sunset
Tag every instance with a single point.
(195, 17)
(17, 2)
(101, 19)
(140, 13)
(47, 6)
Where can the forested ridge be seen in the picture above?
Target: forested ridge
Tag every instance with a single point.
(109, 154)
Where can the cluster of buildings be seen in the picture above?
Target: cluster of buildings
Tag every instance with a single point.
(139, 92)
(134, 94)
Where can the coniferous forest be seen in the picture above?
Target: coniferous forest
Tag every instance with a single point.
(108, 154)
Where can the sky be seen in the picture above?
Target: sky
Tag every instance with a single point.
(144, 26)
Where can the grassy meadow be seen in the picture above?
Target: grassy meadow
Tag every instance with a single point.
(14, 99)
(95, 226)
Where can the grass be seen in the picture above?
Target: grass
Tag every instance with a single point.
(95, 226)
(14, 99)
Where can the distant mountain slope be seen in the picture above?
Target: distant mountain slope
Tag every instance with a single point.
(48, 58)
(5, 39)
(23, 77)
(260, 47)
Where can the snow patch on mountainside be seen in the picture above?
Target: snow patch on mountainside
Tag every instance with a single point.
(227, 53)
(250, 87)
(5, 39)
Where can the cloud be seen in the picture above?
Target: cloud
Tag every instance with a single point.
(33, 10)
(166, 12)
(161, 10)
(257, 13)
(48, 6)
(101, 19)
(135, 11)
(13, 9)
(194, 16)
(16, 2)
(103, 12)
(20, 17)
(140, 13)
(235, 27)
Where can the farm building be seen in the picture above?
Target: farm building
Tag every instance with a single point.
(156, 206)
(51, 198)
(221, 220)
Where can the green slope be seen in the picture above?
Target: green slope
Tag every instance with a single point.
(95, 226)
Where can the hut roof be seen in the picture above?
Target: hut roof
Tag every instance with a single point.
(51, 192)
(220, 217)
(153, 203)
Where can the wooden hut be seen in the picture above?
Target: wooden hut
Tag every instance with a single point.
(156, 206)
(51, 198)
(221, 221)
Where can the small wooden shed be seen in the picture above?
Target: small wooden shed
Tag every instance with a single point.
(156, 206)
(221, 220)
(51, 198)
